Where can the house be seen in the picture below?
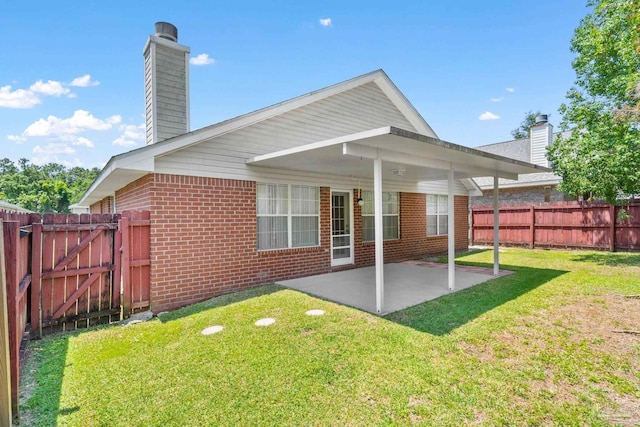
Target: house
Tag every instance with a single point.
(347, 176)
(528, 188)
(10, 207)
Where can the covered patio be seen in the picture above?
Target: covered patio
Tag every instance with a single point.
(387, 155)
(406, 284)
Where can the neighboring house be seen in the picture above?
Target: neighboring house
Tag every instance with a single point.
(528, 188)
(10, 207)
(77, 209)
(288, 190)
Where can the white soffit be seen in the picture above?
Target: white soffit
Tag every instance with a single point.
(407, 156)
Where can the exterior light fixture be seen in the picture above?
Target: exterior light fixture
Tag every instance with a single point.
(398, 171)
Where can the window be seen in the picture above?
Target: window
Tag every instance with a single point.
(437, 215)
(288, 216)
(390, 217)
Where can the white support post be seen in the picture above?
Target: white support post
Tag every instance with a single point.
(379, 237)
(496, 229)
(452, 233)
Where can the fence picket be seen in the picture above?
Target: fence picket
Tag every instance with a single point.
(560, 224)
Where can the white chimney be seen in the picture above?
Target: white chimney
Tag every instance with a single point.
(166, 84)
(541, 135)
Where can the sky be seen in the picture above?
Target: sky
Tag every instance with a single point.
(71, 74)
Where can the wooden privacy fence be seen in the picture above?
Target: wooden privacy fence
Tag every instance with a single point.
(560, 224)
(71, 271)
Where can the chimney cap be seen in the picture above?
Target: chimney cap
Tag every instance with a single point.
(542, 118)
(167, 31)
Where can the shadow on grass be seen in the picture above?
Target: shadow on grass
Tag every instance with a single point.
(221, 301)
(609, 259)
(43, 373)
(443, 315)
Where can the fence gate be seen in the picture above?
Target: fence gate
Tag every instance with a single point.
(69, 271)
(85, 268)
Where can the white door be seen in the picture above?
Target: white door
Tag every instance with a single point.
(341, 228)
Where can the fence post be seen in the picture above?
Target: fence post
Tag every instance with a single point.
(532, 227)
(117, 266)
(612, 216)
(5, 358)
(36, 277)
(11, 236)
(126, 269)
(472, 224)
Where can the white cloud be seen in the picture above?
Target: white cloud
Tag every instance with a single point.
(131, 135)
(51, 152)
(202, 59)
(81, 121)
(510, 89)
(51, 88)
(18, 98)
(18, 139)
(84, 81)
(497, 99)
(325, 22)
(82, 142)
(488, 115)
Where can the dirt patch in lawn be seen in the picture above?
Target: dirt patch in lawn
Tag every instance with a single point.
(586, 328)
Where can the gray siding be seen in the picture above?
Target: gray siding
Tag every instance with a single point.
(363, 108)
(148, 95)
(166, 91)
(171, 93)
(540, 140)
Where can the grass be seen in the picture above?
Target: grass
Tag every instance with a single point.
(533, 348)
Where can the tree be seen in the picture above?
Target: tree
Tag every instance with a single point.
(522, 131)
(46, 188)
(601, 157)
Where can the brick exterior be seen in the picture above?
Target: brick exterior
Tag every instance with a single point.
(203, 237)
(413, 240)
(103, 206)
(136, 196)
(516, 196)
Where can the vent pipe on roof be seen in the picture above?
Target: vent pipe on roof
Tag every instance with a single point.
(167, 31)
(542, 118)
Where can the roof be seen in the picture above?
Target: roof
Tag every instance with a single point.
(6, 206)
(519, 149)
(407, 155)
(125, 168)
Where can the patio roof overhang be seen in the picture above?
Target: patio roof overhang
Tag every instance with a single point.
(407, 156)
(390, 152)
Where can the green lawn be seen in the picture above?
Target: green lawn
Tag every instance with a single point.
(533, 348)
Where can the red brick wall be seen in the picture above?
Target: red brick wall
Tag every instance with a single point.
(136, 196)
(413, 240)
(103, 206)
(203, 237)
(203, 240)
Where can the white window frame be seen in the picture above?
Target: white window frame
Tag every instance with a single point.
(289, 216)
(372, 214)
(437, 214)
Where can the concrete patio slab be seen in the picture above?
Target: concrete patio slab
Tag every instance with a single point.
(406, 284)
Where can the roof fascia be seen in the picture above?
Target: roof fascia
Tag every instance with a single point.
(519, 184)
